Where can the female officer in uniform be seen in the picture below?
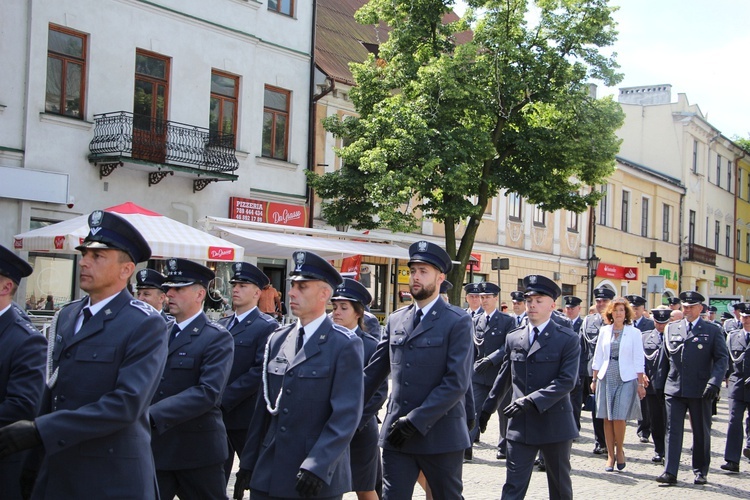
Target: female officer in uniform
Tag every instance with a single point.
(349, 301)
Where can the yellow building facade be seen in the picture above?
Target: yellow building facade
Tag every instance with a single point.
(742, 212)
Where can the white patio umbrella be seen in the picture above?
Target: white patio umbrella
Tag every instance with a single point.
(167, 237)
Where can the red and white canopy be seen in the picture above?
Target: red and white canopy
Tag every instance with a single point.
(167, 237)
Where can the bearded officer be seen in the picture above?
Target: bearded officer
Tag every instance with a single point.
(189, 438)
(250, 329)
(298, 441)
(653, 342)
(590, 335)
(21, 366)
(148, 287)
(489, 338)
(427, 349)
(540, 368)
(109, 351)
(695, 359)
(738, 343)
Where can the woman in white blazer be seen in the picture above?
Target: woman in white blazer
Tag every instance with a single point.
(618, 377)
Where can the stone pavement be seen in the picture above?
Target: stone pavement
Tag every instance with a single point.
(484, 475)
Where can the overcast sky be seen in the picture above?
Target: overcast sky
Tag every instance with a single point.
(700, 47)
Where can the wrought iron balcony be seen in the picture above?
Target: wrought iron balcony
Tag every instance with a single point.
(163, 144)
(697, 253)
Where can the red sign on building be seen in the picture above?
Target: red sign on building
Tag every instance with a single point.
(475, 263)
(269, 212)
(617, 272)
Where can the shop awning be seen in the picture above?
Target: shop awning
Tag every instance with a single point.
(280, 245)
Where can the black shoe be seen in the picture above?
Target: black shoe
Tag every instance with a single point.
(598, 450)
(657, 459)
(699, 478)
(500, 455)
(468, 455)
(644, 439)
(666, 478)
(746, 452)
(731, 466)
(541, 467)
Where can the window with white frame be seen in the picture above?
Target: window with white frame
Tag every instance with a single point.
(540, 216)
(644, 217)
(514, 206)
(603, 208)
(625, 212)
(573, 221)
(666, 223)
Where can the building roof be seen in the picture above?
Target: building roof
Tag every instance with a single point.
(339, 39)
(650, 171)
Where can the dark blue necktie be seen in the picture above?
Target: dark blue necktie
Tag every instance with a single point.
(173, 335)
(300, 340)
(417, 318)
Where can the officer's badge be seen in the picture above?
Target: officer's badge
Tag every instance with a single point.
(532, 279)
(95, 218)
(144, 274)
(172, 266)
(422, 246)
(299, 260)
(238, 267)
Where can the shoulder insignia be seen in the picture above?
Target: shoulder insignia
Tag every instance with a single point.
(27, 327)
(350, 334)
(143, 307)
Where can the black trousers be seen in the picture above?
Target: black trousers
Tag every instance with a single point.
(654, 404)
(236, 441)
(733, 448)
(442, 470)
(193, 484)
(520, 463)
(700, 419)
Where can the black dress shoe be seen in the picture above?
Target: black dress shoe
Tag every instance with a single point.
(540, 466)
(666, 478)
(657, 459)
(500, 455)
(598, 450)
(699, 478)
(746, 452)
(468, 455)
(731, 466)
(644, 439)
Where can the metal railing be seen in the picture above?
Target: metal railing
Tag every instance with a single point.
(161, 141)
(697, 253)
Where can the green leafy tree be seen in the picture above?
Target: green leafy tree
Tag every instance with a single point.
(449, 117)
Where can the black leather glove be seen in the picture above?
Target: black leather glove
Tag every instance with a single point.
(18, 436)
(482, 365)
(308, 484)
(484, 417)
(401, 430)
(471, 423)
(517, 407)
(241, 483)
(28, 478)
(710, 392)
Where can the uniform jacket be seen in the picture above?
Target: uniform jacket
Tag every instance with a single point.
(489, 339)
(739, 380)
(732, 324)
(430, 369)
(319, 411)
(373, 406)
(546, 373)
(524, 319)
(188, 431)
(645, 324)
(631, 358)
(652, 347)
(94, 420)
(243, 384)
(22, 359)
(576, 325)
(589, 336)
(477, 313)
(699, 358)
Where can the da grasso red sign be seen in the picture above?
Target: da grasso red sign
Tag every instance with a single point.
(270, 212)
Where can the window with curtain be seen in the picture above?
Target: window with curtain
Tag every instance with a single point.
(66, 72)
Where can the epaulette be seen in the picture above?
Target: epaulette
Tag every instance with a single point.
(26, 326)
(350, 334)
(143, 307)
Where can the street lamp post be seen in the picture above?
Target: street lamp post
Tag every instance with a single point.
(593, 265)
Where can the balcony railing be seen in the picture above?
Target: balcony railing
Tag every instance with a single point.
(697, 253)
(160, 141)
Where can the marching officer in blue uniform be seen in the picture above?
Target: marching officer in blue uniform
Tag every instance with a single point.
(103, 368)
(349, 300)
(518, 304)
(540, 368)
(589, 336)
(573, 313)
(472, 298)
(298, 440)
(189, 439)
(734, 323)
(250, 329)
(490, 331)
(695, 359)
(427, 348)
(22, 366)
(644, 324)
(738, 343)
(674, 303)
(653, 342)
(148, 288)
